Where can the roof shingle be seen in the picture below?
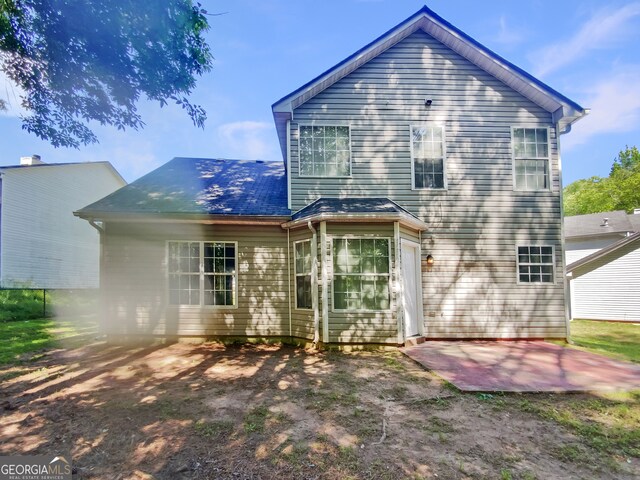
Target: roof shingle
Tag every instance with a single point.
(202, 186)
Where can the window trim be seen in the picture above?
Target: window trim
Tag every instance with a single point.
(333, 273)
(445, 182)
(553, 264)
(296, 274)
(201, 277)
(548, 159)
(325, 124)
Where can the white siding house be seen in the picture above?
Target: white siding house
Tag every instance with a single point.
(419, 196)
(42, 245)
(603, 265)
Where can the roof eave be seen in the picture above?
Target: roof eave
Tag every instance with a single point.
(404, 219)
(572, 267)
(206, 219)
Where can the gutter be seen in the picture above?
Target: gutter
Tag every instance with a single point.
(185, 218)
(359, 217)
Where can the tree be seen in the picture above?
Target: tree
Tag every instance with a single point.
(619, 191)
(91, 60)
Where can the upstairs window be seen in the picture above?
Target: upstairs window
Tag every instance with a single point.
(325, 151)
(303, 274)
(361, 274)
(202, 273)
(535, 264)
(428, 153)
(531, 158)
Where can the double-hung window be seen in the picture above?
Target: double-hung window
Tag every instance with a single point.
(428, 152)
(202, 273)
(531, 158)
(325, 151)
(303, 274)
(535, 264)
(361, 274)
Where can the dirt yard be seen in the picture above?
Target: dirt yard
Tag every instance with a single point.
(278, 412)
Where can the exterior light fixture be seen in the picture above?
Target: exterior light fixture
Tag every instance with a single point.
(430, 261)
(428, 102)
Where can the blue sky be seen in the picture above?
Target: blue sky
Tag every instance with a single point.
(588, 50)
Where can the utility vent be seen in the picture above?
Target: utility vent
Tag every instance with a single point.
(32, 160)
(605, 222)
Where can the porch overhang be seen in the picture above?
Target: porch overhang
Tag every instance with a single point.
(355, 210)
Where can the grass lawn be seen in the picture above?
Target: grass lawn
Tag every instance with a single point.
(614, 339)
(21, 340)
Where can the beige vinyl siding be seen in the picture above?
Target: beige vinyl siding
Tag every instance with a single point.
(135, 282)
(611, 291)
(475, 224)
(42, 244)
(301, 319)
(362, 327)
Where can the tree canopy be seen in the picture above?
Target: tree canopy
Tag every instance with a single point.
(91, 60)
(619, 191)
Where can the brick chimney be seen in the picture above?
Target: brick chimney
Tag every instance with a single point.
(32, 160)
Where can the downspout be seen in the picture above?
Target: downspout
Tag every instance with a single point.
(565, 280)
(289, 278)
(314, 284)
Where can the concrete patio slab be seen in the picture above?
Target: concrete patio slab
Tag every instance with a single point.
(523, 366)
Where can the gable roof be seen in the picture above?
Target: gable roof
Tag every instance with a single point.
(564, 111)
(200, 186)
(354, 209)
(604, 255)
(65, 164)
(594, 224)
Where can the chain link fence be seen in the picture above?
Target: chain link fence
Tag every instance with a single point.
(28, 303)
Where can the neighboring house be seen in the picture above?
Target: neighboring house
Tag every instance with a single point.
(419, 196)
(42, 245)
(603, 265)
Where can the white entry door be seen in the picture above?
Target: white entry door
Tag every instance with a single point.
(411, 292)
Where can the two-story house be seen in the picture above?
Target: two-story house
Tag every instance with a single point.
(42, 245)
(419, 195)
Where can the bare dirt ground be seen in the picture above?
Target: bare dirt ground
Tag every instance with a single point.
(212, 411)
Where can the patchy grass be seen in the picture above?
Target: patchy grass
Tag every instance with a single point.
(614, 339)
(610, 424)
(22, 340)
(273, 411)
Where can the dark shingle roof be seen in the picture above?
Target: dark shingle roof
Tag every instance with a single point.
(594, 224)
(202, 186)
(348, 206)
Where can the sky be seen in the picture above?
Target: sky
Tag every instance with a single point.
(264, 49)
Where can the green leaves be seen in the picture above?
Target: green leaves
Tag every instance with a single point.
(88, 60)
(619, 191)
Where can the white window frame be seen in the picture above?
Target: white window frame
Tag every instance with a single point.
(296, 274)
(548, 158)
(202, 274)
(325, 124)
(333, 273)
(553, 264)
(445, 183)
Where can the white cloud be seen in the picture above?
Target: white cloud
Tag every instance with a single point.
(615, 108)
(603, 30)
(506, 35)
(248, 140)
